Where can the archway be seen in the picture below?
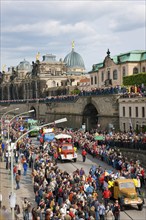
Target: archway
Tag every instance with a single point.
(90, 117)
(33, 114)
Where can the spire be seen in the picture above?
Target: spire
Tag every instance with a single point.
(73, 45)
(108, 53)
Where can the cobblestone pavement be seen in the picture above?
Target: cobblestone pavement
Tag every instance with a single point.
(26, 188)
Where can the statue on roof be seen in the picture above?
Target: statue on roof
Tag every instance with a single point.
(35, 68)
(14, 74)
(73, 44)
(108, 53)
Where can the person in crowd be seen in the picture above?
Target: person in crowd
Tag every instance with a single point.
(116, 210)
(109, 214)
(1, 199)
(25, 167)
(102, 211)
(84, 153)
(106, 196)
(25, 208)
(17, 179)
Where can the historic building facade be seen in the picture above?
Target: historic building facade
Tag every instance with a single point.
(132, 114)
(30, 81)
(111, 71)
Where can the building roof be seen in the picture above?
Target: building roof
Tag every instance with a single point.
(131, 56)
(24, 65)
(74, 60)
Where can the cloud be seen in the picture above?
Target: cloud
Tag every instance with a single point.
(50, 26)
(131, 18)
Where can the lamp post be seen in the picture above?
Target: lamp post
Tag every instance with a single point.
(14, 144)
(15, 109)
(12, 162)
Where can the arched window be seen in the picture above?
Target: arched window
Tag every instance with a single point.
(135, 70)
(108, 74)
(95, 80)
(124, 71)
(102, 76)
(115, 75)
(53, 83)
(143, 69)
(91, 80)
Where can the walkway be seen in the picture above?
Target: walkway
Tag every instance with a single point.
(26, 188)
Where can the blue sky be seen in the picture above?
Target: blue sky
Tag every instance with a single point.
(28, 27)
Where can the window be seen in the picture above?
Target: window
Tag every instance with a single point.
(123, 111)
(135, 70)
(91, 80)
(115, 75)
(108, 75)
(127, 185)
(136, 111)
(102, 76)
(143, 112)
(130, 111)
(95, 80)
(143, 69)
(124, 71)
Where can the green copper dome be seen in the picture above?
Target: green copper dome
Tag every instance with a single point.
(74, 60)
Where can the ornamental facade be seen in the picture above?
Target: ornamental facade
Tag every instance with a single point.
(30, 81)
(111, 71)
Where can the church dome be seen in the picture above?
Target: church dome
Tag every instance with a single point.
(74, 60)
(24, 65)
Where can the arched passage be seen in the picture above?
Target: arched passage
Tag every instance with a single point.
(90, 117)
(33, 114)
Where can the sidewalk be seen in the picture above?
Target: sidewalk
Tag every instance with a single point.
(26, 188)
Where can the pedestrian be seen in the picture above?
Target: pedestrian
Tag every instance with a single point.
(17, 179)
(116, 210)
(1, 199)
(25, 208)
(25, 167)
(102, 211)
(106, 196)
(84, 153)
(19, 167)
(17, 211)
(109, 214)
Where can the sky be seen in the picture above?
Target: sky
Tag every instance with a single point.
(49, 27)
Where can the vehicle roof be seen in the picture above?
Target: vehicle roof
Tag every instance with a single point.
(123, 180)
(66, 144)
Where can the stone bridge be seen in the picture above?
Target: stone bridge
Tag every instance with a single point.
(92, 111)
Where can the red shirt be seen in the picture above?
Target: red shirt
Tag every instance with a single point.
(107, 194)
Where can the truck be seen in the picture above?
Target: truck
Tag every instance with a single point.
(66, 151)
(33, 124)
(124, 190)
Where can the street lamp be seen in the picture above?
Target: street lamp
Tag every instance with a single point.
(14, 144)
(4, 116)
(12, 163)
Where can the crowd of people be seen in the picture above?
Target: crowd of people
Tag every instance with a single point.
(125, 92)
(60, 195)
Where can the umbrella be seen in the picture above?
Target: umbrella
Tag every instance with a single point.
(62, 136)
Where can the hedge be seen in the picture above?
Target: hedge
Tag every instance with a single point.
(132, 80)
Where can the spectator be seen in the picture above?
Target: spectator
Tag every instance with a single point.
(17, 179)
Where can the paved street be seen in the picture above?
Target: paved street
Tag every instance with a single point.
(26, 189)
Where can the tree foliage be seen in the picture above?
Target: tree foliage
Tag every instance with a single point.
(137, 79)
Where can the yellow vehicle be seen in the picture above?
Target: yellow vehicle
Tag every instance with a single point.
(124, 190)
